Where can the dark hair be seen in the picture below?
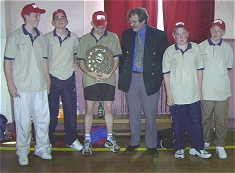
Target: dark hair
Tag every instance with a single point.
(140, 12)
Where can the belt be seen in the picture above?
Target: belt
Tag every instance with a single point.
(137, 72)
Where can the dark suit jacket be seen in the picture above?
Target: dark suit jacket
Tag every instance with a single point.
(155, 45)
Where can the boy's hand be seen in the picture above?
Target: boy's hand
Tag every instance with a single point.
(94, 75)
(201, 96)
(48, 88)
(13, 91)
(170, 100)
(103, 77)
(76, 66)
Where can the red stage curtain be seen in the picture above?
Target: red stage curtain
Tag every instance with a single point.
(117, 13)
(196, 14)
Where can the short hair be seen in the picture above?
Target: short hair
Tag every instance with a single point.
(140, 12)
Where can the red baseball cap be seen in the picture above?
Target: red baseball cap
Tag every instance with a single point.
(31, 8)
(99, 18)
(59, 11)
(218, 22)
(177, 25)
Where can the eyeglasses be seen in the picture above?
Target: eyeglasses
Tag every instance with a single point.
(133, 22)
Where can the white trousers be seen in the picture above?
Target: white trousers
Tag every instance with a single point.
(31, 105)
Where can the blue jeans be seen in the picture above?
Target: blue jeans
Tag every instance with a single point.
(187, 118)
(67, 90)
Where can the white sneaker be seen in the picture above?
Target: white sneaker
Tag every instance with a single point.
(112, 145)
(43, 154)
(23, 161)
(76, 145)
(48, 149)
(206, 145)
(221, 152)
(87, 149)
(179, 154)
(200, 153)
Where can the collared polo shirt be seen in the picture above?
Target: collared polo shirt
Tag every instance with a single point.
(183, 68)
(218, 60)
(61, 54)
(28, 56)
(109, 40)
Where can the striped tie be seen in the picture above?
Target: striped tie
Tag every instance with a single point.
(140, 52)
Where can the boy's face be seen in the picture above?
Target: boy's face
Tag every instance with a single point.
(60, 21)
(216, 33)
(99, 30)
(32, 19)
(181, 36)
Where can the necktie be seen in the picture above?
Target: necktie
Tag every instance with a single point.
(140, 52)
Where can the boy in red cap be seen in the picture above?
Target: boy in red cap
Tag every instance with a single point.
(218, 58)
(182, 69)
(62, 47)
(99, 86)
(28, 80)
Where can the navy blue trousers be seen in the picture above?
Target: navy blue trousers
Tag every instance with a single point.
(67, 90)
(187, 119)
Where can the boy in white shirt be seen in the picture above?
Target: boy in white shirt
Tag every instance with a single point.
(28, 80)
(62, 47)
(182, 70)
(218, 58)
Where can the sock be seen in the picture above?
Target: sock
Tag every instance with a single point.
(88, 137)
(109, 136)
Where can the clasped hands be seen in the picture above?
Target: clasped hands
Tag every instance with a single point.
(99, 77)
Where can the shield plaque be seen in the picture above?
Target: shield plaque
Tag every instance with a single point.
(99, 59)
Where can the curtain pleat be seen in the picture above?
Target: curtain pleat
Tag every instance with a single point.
(117, 13)
(196, 14)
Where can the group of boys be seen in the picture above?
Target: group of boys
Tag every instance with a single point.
(41, 68)
(198, 87)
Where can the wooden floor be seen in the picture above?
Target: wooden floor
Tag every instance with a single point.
(102, 160)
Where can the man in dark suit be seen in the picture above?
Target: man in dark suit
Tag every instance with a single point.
(140, 76)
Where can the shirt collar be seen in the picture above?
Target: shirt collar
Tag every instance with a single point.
(188, 47)
(212, 44)
(68, 35)
(143, 31)
(27, 33)
(105, 32)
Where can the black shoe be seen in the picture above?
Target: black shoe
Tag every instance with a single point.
(131, 149)
(153, 152)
